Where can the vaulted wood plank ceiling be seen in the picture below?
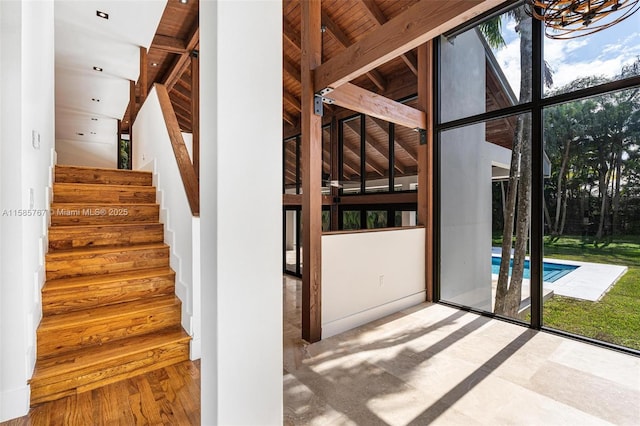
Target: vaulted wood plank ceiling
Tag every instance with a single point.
(344, 22)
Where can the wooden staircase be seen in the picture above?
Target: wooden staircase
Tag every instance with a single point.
(109, 308)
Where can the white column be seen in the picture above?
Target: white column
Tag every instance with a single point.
(241, 211)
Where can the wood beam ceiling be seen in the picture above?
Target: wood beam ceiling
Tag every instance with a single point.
(339, 35)
(377, 16)
(412, 28)
(182, 62)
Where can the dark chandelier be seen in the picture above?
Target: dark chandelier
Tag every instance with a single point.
(565, 19)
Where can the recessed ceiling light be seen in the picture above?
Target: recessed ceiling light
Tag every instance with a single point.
(184, 1)
(102, 15)
(154, 64)
(95, 100)
(97, 69)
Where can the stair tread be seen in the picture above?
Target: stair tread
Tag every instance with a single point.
(103, 313)
(105, 186)
(83, 281)
(94, 356)
(84, 251)
(106, 226)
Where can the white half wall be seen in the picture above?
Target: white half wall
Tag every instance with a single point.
(26, 156)
(241, 211)
(368, 275)
(153, 152)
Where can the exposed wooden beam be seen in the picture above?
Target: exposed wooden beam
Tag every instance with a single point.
(292, 70)
(185, 166)
(182, 62)
(168, 44)
(195, 113)
(339, 35)
(333, 171)
(312, 173)
(132, 104)
(357, 99)
(406, 147)
(425, 161)
(291, 100)
(378, 17)
(415, 26)
(142, 81)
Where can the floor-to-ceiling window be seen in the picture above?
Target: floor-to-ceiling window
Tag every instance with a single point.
(538, 168)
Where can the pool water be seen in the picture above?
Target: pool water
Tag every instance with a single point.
(551, 271)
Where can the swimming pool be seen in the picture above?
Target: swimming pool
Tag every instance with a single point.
(551, 271)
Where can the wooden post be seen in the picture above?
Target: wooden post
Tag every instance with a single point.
(335, 191)
(312, 169)
(143, 75)
(132, 104)
(118, 136)
(425, 160)
(195, 111)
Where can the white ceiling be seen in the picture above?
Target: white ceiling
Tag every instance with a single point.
(84, 40)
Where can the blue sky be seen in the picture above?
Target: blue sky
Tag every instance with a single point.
(603, 53)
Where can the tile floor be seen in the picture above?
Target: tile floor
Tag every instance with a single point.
(432, 364)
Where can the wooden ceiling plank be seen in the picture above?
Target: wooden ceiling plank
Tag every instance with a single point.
(289, 118)
(292, 100)
(339, 35)
(168, 44)
(292, 70)
(406, 147)
(378, 17)
(291, 35)
(357, 99)
(416, 25)
(370, 140)
(379, 169)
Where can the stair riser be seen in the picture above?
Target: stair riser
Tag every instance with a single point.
(70, 383)
(65, 174)
(85, 297)
(107, 214)
(107, 235)
(58, 340)
(74, 265)
(67, 193)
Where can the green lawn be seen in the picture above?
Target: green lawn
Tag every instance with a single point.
(616, 317)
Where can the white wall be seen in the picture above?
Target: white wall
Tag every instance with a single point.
(26, 113)
(153, 152)
(241, 211)
(368, 275)
(88, 154)
(465, 192)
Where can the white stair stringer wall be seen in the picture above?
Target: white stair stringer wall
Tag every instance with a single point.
(153, 152)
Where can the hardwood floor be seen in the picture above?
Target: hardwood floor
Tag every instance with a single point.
(167, 396)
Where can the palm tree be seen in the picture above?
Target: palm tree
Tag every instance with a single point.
(517, 214)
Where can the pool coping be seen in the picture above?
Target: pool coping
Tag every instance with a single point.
(590, 281)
